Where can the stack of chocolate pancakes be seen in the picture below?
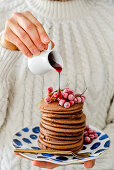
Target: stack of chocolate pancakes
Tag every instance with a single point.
(61, 128)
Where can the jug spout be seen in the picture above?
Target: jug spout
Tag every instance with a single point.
(44, 62)
(55, 59)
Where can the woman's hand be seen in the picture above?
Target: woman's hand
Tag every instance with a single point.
(48, 165)
(24, 32)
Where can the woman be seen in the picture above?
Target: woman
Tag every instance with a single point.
(82, 31)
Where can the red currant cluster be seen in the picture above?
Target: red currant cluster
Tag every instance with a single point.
(89, 134)
(67, 98)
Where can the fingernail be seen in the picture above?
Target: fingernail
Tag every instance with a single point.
(29, 54)
(36, 52)
(46, 39)
(52, 45)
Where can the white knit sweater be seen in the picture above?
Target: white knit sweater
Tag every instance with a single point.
(83, 33)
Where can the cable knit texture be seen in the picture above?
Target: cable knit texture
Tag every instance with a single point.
(83, 33)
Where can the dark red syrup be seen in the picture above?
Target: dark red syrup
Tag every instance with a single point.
(56, 66)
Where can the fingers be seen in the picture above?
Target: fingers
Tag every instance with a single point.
(46, 165)
(43, 164)
(42, 33)
(89, 164)
(16, 153)
(7, 44)
(11, 37)
(26, 33)
(29, 29)
(24, 37)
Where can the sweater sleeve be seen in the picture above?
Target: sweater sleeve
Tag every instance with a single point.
(3, 102)
(106, 160)
(109, 129)
(8, 59)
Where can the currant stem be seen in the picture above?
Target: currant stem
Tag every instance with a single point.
(83, 92)
(40, 101)
(48, 95)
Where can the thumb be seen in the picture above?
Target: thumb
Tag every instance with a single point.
(7, 44)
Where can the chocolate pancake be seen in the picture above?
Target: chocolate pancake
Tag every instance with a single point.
(63, 138)
(66, 121)
(63, 113)
(46, 131)
(61, 146)
(54, 107)
(61, 128)
(56, 129)
(75, 150)
(65, 116)
(55, 141)
(70, 126)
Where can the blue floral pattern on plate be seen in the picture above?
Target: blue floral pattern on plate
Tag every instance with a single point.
(27, 138)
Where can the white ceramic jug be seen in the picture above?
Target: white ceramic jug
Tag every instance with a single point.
(41, 64)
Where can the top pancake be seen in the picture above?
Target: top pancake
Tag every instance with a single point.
(55, 108)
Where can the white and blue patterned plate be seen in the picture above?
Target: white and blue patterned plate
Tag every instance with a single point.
(27, 139)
